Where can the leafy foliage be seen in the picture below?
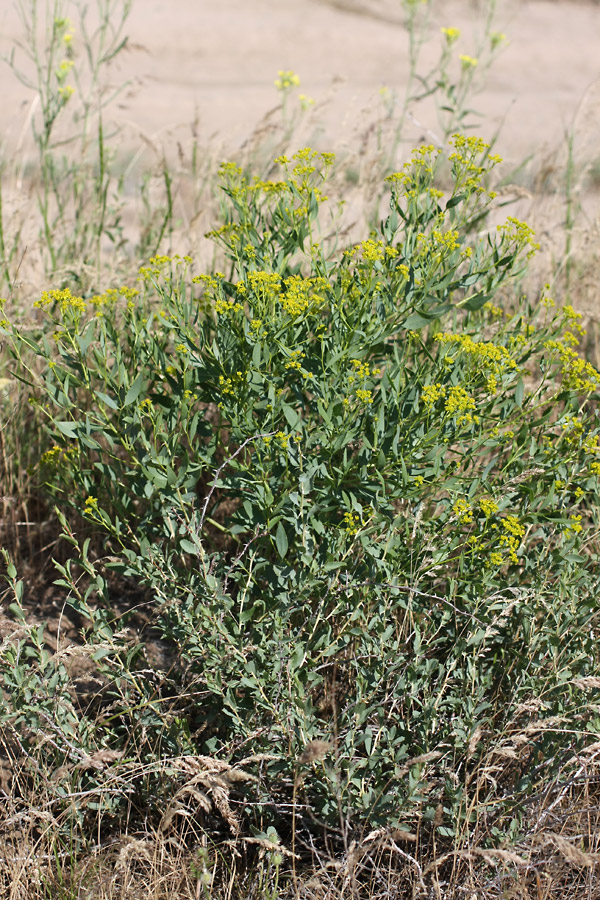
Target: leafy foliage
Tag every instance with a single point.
(361, 492)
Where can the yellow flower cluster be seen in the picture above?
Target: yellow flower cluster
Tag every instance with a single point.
(497, 38)
(362, 370)
(90, 505)
(294, 360)
(156, 264)
(62, 72)
(460, 403)
(351, 523)
(53, 458)
(364, 395)
(591, 444)
(488, 506)
(487, 358)
(109, 298)
(463, 511)
(509, 540)
(286, 80)
(229, 385)
(577, 373)
(302, 294)
(496, 311)
(467, 147)
(282, 438)
(521, 233)
(431, 393)
(296, 294)
(573, 429)
(571, 315)
(451, 34)
(373, 251)
(268, 284)
(417, 172)
(574, 526)
(438, 244)
(227, 307)
(270, 187)
(546, 300)
(66, 301)
(501, 538)
(467, 171)
(457, 402)
(468, 62)
(308, 163)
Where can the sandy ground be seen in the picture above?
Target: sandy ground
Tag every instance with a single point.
(215, 62)
(204, 71)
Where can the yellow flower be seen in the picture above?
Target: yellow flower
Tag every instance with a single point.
(488, 506)
(431, 393)
(364, 396)
(462, 510)
(286, 80)
(574, 526)
(351, 523)
(467, 62)
(451, 34)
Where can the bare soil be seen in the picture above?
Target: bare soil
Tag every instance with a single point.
(213, 63)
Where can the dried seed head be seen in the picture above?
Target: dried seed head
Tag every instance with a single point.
(314, 751)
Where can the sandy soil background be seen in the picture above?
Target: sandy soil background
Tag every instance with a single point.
(215, 62)
(203, 72)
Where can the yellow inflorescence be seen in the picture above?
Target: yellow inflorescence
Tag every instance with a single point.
(574, 526)
(352, 523)
(511, 535)
(577, 373)
(90, 505)
(294, 362)
(286, 79)
(231, 384)
(489, 359)
(468, 62)
(302, 294)
(488, 506)
(451, 34)
(463, 511)
(66, 301)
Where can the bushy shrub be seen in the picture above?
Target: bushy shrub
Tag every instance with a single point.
(361, 488)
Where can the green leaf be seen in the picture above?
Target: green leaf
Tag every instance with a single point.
(455, 200)
(17, 611)
(291, 415)
(69, 429)
(474, 302)
(134, 391)
(281, 541)
(108, 401)
(519, 391)
(189, 547)
(418, 320)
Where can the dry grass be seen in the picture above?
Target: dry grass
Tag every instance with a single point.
(196, 847)
(559, 858)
